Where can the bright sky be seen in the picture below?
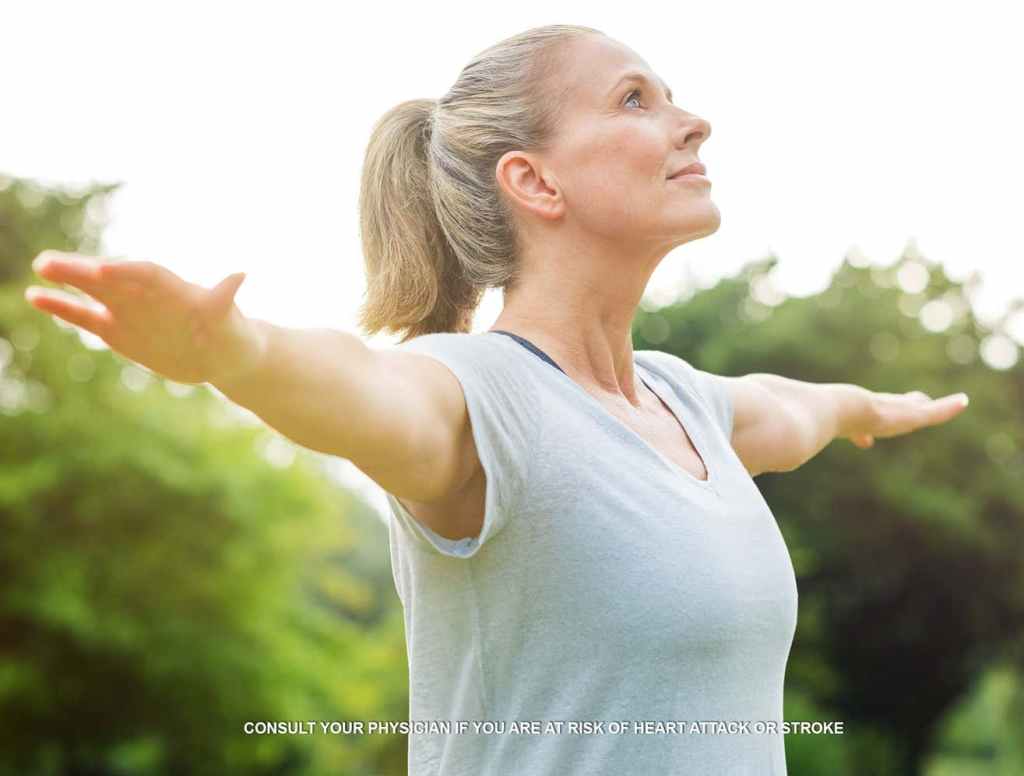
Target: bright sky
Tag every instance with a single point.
(238, 130)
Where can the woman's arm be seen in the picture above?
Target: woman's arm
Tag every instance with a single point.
(779, 424)
(400, 417)
(314, 386)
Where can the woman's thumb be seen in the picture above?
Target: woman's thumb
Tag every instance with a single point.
(222, 296)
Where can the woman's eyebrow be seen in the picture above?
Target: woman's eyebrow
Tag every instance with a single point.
(640, 77)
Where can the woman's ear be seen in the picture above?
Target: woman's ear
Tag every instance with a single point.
(528, 186)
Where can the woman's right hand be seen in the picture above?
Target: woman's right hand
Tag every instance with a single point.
(177, 329)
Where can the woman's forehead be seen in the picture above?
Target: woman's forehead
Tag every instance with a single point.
(598, 66)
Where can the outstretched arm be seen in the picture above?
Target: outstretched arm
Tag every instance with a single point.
(779, 423)
(400, 417)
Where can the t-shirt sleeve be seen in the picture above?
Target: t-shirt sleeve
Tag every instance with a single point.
(709, 388)
(503, 415)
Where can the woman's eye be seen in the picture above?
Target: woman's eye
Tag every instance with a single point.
(630, 95)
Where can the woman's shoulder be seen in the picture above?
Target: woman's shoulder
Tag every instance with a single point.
(482, 357)
(666, 365)
(483, 345)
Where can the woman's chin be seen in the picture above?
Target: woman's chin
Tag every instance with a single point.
(702, 224)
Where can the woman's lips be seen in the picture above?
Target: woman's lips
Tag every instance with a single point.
(695, 168)
(692, 177)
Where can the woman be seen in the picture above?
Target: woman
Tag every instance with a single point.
(576, 534)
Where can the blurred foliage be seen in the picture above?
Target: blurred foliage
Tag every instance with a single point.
(909, 556)
(983, 736)
(163, 580)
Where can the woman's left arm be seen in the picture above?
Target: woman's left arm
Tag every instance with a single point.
(779, 424)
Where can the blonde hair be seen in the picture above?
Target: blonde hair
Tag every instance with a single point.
(435, 230)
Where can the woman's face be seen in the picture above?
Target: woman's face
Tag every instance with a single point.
(618, 142)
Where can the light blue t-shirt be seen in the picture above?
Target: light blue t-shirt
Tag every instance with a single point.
(607, 585)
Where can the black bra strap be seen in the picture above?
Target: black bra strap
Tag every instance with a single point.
(530, 346)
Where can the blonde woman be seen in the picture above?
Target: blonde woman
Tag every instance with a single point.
(575, 532)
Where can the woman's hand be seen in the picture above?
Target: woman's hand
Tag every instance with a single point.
(179, 330)
(892, 414)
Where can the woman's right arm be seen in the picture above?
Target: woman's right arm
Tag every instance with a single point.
(399, 417)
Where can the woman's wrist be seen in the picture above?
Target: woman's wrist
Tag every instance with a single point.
(244, 351)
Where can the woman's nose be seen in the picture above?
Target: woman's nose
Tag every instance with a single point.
(693, 128)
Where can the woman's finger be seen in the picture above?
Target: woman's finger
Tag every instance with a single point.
(898, 414)
(946, 408)
(921, 414)
(144, 273)
(82, 272)
(110, 282)
(863, 441)
(72, 310)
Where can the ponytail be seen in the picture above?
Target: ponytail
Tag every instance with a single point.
(436, 231)
(414, 282)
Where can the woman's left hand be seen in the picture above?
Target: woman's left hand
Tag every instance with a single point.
(892, 414)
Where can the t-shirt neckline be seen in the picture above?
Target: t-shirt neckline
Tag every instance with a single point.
(697, 438)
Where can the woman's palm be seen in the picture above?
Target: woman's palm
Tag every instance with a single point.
(149, 315)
